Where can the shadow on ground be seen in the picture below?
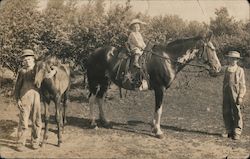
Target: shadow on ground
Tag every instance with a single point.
(133, 123)
(6, 129)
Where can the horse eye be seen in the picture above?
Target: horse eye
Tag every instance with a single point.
(51, 68)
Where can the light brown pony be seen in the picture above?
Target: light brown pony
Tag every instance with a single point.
(53, 79)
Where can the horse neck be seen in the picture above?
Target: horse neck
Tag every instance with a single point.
(183, 52)
(185, 59)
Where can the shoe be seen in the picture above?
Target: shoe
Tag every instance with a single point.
(35, 146)
(20, 147)
(236, 137)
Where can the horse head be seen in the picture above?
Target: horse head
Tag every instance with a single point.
(45, 69)
(187, 49)
(207, 54)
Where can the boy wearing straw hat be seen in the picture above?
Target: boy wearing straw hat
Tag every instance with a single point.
(28, 102)
(136, 41)
(234, 89)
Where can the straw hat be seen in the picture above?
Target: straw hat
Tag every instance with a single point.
(234, 54)
(28, 52)
(136, 21)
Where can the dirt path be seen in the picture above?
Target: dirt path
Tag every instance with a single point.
(191, 121)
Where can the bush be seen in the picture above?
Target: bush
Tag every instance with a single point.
(230, 34)
(72, 33)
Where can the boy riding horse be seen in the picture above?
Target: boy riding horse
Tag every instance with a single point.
(135, 41)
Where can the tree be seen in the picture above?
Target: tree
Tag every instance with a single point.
(224, 24)
(19, 23)
(229, 33)
(56, 28)
(95, 28)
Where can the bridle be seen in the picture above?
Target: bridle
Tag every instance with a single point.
(177, 62)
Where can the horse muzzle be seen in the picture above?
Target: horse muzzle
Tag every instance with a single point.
(215, 73)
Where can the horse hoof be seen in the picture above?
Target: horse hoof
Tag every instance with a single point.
(107, 125)
(159, 136)
(42, 145)
(154, 130)
(93, 126)
(59, 143)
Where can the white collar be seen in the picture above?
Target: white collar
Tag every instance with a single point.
(232, 68)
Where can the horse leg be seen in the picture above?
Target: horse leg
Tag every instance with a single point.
(104, 121)
(47, 115)
(158, 111)
(58, 118)
(100, 101)
(92, 100)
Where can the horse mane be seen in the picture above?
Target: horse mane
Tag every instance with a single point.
(177, 42)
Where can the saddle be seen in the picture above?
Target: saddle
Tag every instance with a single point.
(126, 74)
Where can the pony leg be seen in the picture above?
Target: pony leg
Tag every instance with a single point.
(92, 100)
(65, 105)
(47, 115)
(158, 111)
(120, 91)
(58, 119)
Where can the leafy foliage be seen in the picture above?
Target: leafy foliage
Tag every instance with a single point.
(72, 32)
(18, 30)
(229, 33)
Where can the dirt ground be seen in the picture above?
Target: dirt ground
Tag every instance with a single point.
(191, 122)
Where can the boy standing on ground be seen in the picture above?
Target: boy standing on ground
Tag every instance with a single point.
(28, 102)
(234, 89)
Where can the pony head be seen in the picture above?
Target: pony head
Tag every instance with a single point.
(45, 69)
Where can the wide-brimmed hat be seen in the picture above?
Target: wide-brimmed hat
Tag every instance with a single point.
(136, 21)
(28, 52)
(234, 54)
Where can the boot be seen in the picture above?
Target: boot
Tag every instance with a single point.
(136, 61)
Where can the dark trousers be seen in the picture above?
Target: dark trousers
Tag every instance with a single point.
(232, 115)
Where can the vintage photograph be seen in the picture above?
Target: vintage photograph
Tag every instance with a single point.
(123, 79)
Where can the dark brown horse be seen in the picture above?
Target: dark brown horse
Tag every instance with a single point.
(162, 64)
(53, 79)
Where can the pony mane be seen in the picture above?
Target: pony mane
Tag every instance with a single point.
(52, 60)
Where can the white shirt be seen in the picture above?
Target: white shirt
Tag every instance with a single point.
(136, 41)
